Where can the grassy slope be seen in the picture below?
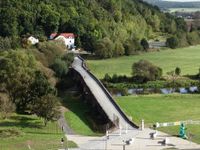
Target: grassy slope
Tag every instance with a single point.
(77, 113)
(164, 108)
(32, 132)
(185, 58)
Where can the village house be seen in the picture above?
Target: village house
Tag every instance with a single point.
(67, 38)
(33, 40)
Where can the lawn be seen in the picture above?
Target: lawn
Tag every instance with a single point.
(21, 132)
(185, 58)
(77, 115)
(164, 108)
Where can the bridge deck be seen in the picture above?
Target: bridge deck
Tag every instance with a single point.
(102, 96)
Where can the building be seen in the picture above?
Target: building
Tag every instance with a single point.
(67, 38)
(33, 40)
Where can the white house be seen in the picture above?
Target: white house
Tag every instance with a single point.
(33, 40)
(67, 38)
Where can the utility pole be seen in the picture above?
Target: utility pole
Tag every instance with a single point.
(124, 145)
(107, 137)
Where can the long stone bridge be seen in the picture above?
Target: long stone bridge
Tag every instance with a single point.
(102, 96)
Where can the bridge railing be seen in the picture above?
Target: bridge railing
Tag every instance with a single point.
(107, 94)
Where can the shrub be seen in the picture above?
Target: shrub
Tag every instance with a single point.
(6, 106)
(51, 50)
(107, 77)
(193, 38)
(144, 43)
(172, 42)
(144, 71)
(114, 78)
(132, 46)
(119, 49)
(5, 43)
(178, 71)
(60, 67)
(104, 48)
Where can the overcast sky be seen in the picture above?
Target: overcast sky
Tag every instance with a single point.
(182, 0)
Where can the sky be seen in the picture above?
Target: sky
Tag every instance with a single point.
(181, 0)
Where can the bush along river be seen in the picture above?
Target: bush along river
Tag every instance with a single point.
(135, 91)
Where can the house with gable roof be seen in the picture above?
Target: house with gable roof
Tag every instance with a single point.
(67, 38)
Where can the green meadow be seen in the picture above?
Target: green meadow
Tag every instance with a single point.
(77, 114)
(22, 132)
(164, 108)
(188, 59)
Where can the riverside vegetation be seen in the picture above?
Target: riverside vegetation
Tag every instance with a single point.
(31, 76)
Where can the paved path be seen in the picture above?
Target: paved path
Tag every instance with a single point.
(102, 96)
(64, 125)
(142, 141)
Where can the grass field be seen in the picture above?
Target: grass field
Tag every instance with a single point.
(164, 108)
(188, 59)
(20, 131)
(77, 115)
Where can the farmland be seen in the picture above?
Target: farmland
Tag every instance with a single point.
(185, 58)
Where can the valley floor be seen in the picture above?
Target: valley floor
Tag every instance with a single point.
(187, 59)
(164, 108)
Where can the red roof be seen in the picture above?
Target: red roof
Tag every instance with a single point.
(66, 35)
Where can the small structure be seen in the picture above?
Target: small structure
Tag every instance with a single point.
(33, 40)
(153, 135)
(182, 132)
(67, 38)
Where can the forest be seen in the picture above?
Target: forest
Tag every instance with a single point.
(121, 24)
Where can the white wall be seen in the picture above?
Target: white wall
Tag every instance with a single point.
(69, 42)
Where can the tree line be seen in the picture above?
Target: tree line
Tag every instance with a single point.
(107, 27)
(28, 79)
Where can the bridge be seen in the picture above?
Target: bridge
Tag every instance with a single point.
(102, 96)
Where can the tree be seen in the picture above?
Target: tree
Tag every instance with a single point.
(8, 23)
(131, 46)
(172, 42)
(51, 50)
(172, 76)
(144, 71)
(119, 49)
(17, 73)
(47, 108)
(6, 105)
(23, 82)
(178, 71)
(60, 67)
(104, 48)
(5, 43)
(107, 77)
(49, 18)
(144, 43)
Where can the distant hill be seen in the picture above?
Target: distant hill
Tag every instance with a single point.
(120, 21)
(167, 4)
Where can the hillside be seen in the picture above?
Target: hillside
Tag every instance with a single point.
(128, 21)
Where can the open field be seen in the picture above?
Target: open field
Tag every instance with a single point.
(164, 108)
(20, 131)
(185, 58)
